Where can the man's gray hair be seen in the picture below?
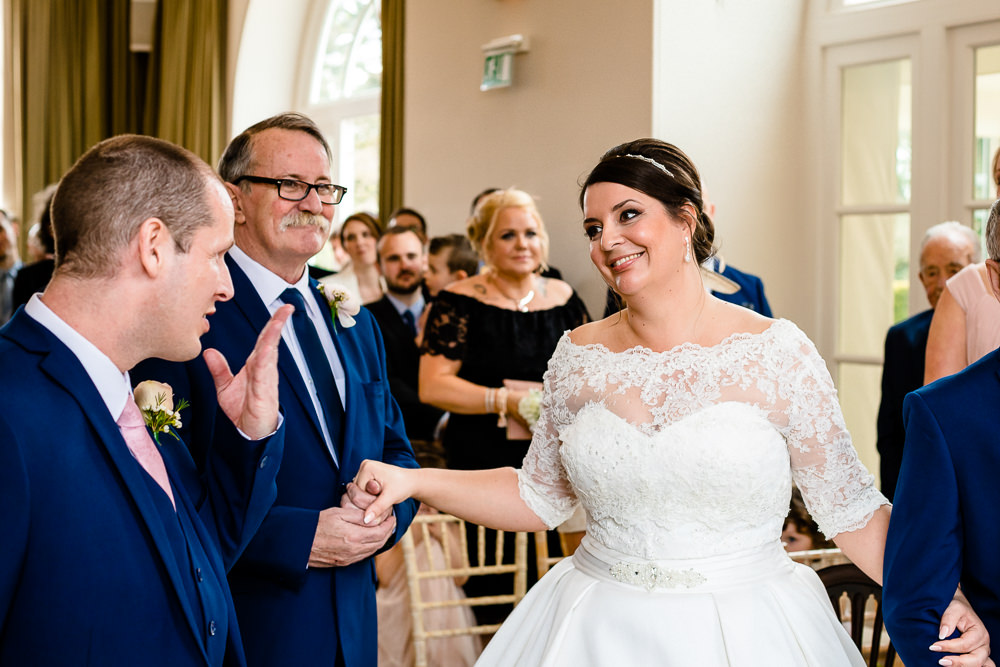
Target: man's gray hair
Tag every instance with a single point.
(237, 159)
(993, 233)
(954, 227)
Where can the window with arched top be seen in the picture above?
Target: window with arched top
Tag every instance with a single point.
(343, 95)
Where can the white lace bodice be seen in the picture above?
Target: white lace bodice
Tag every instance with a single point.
(691, 452)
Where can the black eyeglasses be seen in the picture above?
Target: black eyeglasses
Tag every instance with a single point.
(291, 189)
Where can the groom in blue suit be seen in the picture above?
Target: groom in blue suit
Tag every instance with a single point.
(945, 525)
(114, 548)
(305, 586)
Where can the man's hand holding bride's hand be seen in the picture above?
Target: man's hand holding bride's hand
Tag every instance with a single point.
(377, 487)
(974, 642)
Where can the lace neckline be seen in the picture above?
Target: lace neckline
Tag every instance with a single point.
(773, 329)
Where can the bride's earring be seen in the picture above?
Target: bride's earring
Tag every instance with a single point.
(687, 248)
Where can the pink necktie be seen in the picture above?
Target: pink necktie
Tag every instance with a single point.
(133, 429)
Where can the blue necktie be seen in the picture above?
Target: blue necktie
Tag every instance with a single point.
(319, 366)
(410, 322)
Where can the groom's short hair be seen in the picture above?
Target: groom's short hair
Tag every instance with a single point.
(115, 186)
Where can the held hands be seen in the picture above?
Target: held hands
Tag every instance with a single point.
(377, 487)
(250, 398)
(343, 538)
(974, 642)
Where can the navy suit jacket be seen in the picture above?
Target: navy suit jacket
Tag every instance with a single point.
(403, 364)
(944, 522)
(751, 294)
(290, 614)
(902, 372)
(88, 570)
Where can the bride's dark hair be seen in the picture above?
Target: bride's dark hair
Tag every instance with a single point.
(664, 172)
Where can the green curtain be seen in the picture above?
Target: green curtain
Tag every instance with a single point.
(76, 82)
(72, 69)
(185, 100)
(391, 151)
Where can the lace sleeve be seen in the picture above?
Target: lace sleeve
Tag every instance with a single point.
(447, 327)
(542, 479)
(839, 492)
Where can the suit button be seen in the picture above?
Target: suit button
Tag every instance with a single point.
(198, 574)
(263, 462)
(212, 629)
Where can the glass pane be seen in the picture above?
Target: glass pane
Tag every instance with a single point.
(859, 388)
(350, 60)
(876, 133)
(874, 280)
(987, 114)
(359, 163)
(979, 217)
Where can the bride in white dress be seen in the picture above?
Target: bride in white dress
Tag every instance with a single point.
(679, 425)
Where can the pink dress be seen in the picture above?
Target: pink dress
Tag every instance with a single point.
(982, 312)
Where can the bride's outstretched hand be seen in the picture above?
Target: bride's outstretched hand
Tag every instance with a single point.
(974, 642)
(377, 487)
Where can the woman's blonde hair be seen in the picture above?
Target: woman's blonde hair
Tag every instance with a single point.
(483, 222)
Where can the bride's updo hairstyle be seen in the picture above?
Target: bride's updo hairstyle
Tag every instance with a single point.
(663, 172)
(484, 220)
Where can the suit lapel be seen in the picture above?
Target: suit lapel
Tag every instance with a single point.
(247, 300)
(351, 380)
(63, 368)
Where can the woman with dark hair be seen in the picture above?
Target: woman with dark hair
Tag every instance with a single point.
(679, 425)
(361, 278)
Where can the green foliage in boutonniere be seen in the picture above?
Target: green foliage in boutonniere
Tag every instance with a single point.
(156, 402)
(343, 306)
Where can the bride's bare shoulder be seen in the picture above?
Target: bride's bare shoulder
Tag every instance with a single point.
(597, 332)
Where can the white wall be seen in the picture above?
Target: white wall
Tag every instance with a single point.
(585, 85)
(729, 91)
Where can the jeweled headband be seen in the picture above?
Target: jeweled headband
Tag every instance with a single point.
(650, 161)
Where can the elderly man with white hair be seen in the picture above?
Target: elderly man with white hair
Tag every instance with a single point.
(944, 251)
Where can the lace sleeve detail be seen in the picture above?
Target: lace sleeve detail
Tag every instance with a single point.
(542, 479)
(447, 327)
(839, 492)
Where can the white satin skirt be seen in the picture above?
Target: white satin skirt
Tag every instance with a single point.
(753, 608)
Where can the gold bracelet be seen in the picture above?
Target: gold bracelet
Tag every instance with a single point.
(490, 400)
(501, 400)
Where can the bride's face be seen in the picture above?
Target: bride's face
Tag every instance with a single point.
(634, 241)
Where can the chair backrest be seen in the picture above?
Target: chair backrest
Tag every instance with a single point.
(848, 580)
(544, 557)
(817, 559)
(444, 528)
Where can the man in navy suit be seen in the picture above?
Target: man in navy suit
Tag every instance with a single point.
(114, 549)
(401, 259)
(305, 586)
(944, 526)
(945, 249)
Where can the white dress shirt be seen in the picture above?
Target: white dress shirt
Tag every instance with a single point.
(111, 383)
(269, 287)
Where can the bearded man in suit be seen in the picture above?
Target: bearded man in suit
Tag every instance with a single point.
(401, 258)
(305, 586)
(115, 549)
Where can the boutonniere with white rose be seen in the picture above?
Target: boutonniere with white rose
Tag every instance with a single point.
(156, 403)
(343, 306)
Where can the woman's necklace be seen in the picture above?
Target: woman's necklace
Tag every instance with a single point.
(522, 303)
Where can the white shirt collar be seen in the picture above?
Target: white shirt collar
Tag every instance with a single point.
(416, 309)
(111, 383)
(269, 285)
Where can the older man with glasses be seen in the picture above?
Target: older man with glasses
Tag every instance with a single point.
(305, 587)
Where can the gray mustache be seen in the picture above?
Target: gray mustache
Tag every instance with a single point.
(303, 219)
